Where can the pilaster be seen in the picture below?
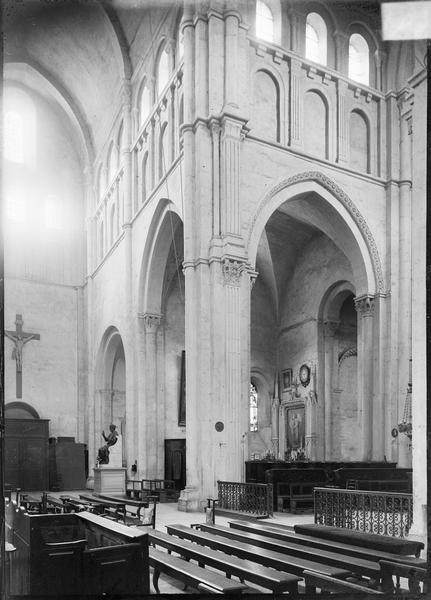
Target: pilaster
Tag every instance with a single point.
(232, 133)
(295, 138)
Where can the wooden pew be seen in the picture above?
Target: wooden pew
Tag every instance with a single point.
(330, 584)
(364, 540)
(191, 575)
(265, 577)
(277, 531)
(276, 560)
(111, 508)
(146, 509)
(360, 566)
(415, 575)
(74, 504)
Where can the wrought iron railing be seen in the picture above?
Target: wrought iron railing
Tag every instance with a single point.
(253, 498)
(384, 513)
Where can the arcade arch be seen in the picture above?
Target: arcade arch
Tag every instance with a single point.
(309, 243)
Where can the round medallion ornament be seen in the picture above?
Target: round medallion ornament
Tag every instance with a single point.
(219, 426)
(304, 375)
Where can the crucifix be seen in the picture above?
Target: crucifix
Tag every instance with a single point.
(19, 338)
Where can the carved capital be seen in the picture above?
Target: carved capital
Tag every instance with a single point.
(151, 321)
(232, 271)
(365, 306)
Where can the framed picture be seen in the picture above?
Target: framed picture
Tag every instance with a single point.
(295, 427)
(286, 379)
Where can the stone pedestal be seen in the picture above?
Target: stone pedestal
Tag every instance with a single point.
(110, 480)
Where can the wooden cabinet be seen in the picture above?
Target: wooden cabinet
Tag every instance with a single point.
(26, 453)
(66, 465)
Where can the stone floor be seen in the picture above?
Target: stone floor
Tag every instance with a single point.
(168, 514)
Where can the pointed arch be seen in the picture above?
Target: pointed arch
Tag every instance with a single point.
(344, 223)
(155, 255)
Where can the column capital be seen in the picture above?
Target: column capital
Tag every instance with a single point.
(365, 305)
(151, 321)
(232, 271)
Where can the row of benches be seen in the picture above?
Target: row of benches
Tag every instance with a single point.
(276, 558)
(112, 507)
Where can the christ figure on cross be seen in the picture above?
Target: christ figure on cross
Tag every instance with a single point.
(19, 338)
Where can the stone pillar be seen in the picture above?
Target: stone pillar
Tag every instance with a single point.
(404, 273)
(150, 427)
(215, 61)
(365, 308)
(311, 429)
(419, 329)
(201, 66)
(235, 405)
(329, 330)
(232, 21)
(295, 103)
(343, 123)
(297, 31)
(341, 52)
(379, 61)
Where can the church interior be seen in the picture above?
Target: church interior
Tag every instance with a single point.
(214, 250)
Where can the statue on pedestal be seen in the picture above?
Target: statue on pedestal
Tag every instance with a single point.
(110, 439)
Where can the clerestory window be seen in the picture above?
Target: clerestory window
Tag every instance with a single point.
(316, 39)
(264, 22)
(359, 59)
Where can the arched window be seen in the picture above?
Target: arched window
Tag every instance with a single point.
(253, 408)
(13, 137)
(359, 142)
(316, 38)
(266, 107)
(53, 213)
(359, 59)
(144, 104)
(264, 22)
(162, 72)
